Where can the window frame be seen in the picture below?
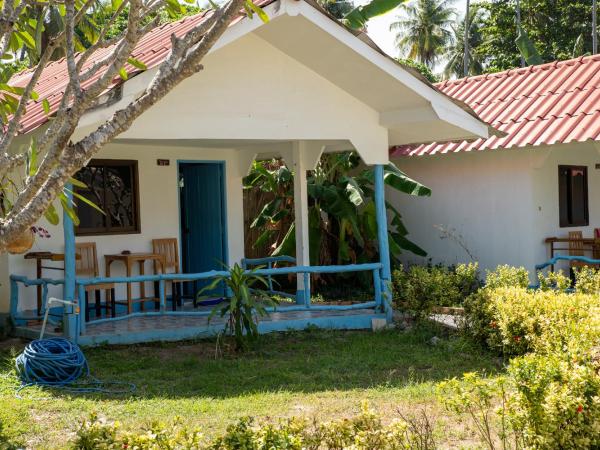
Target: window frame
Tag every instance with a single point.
(569, 199)
(137, 227)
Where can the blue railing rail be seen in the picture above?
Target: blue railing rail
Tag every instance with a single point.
(375, 268)
(15, 281)
(379, 303)
(268, 261)
(552, 262)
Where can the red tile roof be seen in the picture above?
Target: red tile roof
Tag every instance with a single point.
(152, 49)
(547, 104)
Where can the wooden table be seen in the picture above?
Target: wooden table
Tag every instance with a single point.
(129, 259)
(39, 258)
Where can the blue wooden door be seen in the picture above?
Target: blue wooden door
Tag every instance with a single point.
(202, 202)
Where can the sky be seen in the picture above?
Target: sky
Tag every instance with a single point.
(379, 27)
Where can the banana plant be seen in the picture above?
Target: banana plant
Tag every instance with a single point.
(527, 48)
(359, 16)
(342, 216)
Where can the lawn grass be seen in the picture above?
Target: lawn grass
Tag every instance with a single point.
(320, 374)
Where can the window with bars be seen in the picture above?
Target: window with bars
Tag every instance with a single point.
(112, 184)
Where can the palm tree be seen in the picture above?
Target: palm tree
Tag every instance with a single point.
(425, 31)
(594, 27)
(456, 51)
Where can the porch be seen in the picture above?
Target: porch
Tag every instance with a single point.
(153, 317)
(194, 322)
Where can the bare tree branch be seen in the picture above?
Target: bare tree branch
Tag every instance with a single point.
(183, 62)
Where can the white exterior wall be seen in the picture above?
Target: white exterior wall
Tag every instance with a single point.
(501, 204)
(159, 213)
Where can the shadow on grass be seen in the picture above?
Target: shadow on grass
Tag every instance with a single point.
(310, 361)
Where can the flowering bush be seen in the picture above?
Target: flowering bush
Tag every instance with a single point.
(419, 288)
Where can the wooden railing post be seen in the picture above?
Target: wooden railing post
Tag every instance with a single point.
(382, 238)
(69, 319)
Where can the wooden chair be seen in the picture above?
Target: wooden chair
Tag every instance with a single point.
(86, 265)
(576, 247)
(169, 248)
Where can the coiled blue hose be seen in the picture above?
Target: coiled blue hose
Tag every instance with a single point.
(51, 362)
(59, 363)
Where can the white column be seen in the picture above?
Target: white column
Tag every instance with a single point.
(301, 216)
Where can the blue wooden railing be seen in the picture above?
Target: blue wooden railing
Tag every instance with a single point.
(379, 303)
(249, 263)
(553, 261)
(15, 282)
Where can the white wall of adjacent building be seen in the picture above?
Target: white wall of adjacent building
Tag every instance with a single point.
(497, 206)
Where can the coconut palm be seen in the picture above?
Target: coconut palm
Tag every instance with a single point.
(424, 30)
(455, 53)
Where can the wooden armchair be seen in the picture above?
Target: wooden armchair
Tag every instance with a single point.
(169, 248)
(86, 265)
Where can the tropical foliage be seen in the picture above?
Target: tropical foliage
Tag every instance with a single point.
(456, 50)
(343, 226)
(421, 68)
(337, 8)
(424, 30)
(559, 29)
(244, 304)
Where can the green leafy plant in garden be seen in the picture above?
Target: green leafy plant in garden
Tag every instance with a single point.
(587, 280)
(478, 322)
(484, 401)
(244, 304)
(551, 393)
(545, 321)
(342, 217)
(420, 288)
(556, 281)
(365, 431)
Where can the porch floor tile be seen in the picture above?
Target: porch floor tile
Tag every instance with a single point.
(171, 322)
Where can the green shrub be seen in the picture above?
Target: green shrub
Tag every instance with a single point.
(550, 396)
(545, 321)
(556, 281)
(507, 276)
(555, 402)
(477, 397)
(363, 432)
(544, 402)
(587, 280)
(420, 288)
(478, 322)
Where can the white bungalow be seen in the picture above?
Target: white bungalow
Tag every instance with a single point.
(295, 87)
(523, 198)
